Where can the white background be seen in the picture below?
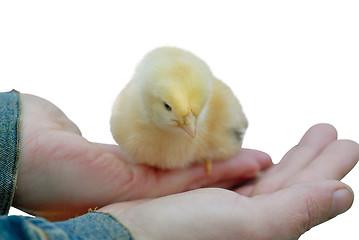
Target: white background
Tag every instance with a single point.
(291, 63)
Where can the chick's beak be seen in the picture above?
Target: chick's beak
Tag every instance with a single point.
(189, 125)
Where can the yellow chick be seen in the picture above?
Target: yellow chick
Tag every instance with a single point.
(174, 112)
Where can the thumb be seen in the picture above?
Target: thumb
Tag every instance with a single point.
(292, 211)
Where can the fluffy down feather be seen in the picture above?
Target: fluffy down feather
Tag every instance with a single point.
(174, 112)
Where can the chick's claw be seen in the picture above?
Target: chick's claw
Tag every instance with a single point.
(208, 165)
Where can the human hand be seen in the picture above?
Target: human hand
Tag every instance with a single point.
(62, 175)
(300, 192)
(318, 156)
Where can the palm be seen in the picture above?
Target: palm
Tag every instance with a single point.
(61, 174)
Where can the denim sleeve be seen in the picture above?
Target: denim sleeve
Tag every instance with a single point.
(94, 225)
(9, 147)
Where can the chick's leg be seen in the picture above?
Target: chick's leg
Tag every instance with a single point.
(208, 165)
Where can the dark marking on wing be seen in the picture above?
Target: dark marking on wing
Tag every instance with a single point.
(238, 135)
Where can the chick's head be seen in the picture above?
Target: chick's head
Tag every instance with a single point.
(175, 86)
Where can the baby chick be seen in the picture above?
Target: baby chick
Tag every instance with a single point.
(174, 112)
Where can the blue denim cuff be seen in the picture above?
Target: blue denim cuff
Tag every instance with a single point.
(94, 225)
(9, 147)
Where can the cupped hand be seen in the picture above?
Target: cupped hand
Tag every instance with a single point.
(62, 175)
(302, 191)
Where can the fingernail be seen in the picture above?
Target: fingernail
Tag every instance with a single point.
(342, 201)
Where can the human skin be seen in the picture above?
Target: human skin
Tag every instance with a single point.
(300, 192)
(62, 175)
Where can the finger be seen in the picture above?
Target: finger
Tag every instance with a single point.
(120, 207)
(301, 207)
(333, 163)
(312, 143)
(241, 166)
(229, 184)
(245, 190)
(152, 182)
(310, 146)
(260, 159)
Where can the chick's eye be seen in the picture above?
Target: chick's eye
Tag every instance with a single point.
(168, 107)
